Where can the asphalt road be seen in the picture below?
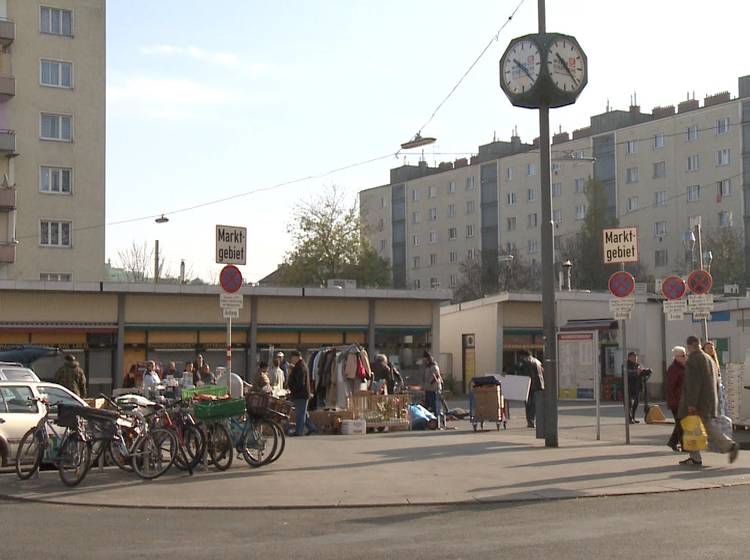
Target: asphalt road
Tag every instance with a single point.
(705, 524)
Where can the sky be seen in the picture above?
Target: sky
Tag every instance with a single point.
(256, 102)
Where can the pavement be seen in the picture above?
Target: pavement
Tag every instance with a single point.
(456, 466)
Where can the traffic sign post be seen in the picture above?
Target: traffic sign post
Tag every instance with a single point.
(621, 284)
(700, 282)
(673, 287)
(620, 245)
(231, 245)
(230, 279)
(675, 309)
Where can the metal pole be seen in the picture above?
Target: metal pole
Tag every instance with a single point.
(699, 238)
(548, 269)
(229, 356)
(597, 387)
(156, 262)
(625, 384)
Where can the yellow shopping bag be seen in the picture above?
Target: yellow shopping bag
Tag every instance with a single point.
(694, 437)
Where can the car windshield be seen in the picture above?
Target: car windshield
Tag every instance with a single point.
(56, 395)
(19, 374)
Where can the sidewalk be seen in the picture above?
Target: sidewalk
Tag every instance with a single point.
(417, 468)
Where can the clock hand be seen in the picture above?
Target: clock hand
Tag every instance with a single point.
(525, 70)
(562, 61)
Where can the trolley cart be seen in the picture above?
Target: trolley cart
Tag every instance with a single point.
(486, 404)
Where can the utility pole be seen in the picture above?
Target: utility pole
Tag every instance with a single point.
(699, 240)
(156, 262)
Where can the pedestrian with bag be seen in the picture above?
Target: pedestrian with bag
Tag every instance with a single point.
(700, 398)
(534, 370)
(71, 376)
(675, 379)
(433, 387)
(300, 393)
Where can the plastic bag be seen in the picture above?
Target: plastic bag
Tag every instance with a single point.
(694, 437)
(724, 425)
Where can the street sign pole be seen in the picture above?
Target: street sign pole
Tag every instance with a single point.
(229, 355)
(698, 237)
(625, 387)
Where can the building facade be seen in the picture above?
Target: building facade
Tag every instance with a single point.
(662, 172)
(52, 137)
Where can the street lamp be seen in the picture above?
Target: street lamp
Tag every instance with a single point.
(567, 266)
(417, 142)
(688, 241)
(708, 257)
(504, 259)
(161, 219)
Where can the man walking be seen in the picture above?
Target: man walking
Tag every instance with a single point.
(675, 379)
(299, 388)
(700, 392)
(533, 369)
(71, 376)
(634, 370)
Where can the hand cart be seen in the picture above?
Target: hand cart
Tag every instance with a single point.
(486, 404)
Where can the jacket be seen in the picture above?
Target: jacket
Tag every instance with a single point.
(299, 381)
(700, 388)
(531, 367)
(71, 376)
(675, 379)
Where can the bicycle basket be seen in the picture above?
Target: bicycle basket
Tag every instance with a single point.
(208, 410)
(280, 407)
(257, 404)
(100, 429)
(67, 416)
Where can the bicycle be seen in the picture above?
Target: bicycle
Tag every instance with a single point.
(190, 439)
(260, 441)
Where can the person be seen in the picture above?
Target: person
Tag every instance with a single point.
(710, 349)
(150, 381)
(198, 364)
(188, 375)
(398, 380)
(71, 376)
(433, 387)
(382, 371)
(261, 381)
(171, 370)
(205, 376)
(276, 376)
(700, 397)
(533, 369)
(299, 387)
(128, 381)
(634, 371)
(284, 365)
(675, 379)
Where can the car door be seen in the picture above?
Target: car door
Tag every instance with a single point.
(17, 416)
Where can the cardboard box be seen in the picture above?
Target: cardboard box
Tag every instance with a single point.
(353, 427)
(96, 403)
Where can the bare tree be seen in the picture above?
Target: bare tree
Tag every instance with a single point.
(137, 261)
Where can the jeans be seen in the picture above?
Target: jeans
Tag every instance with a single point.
(301, 417)
(720, 440)
(531, 408)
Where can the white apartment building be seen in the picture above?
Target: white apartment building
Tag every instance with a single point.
(52, 140)
(662, 172)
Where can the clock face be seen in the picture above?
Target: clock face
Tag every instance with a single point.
(565, 65)
(521, 66)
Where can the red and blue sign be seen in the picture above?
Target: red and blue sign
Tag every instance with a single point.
(621, 284)
(700, 282)
(230, 278)
(673, 287)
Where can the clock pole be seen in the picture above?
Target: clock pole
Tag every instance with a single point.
(548, 269)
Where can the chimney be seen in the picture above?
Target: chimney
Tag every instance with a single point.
(582, 133)
(461, 162)
(689, 105)
(716, 99)
(560, 137)
(661, 112)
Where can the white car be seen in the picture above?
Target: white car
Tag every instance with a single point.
(12, 371)
(18, 414)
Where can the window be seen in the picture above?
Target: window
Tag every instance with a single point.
(694, 193)
(631, 175)
(452, 233)
(511, 196)
(555, 168)
(56, 127)
(631, 146)
(510, 223)
(722, 157)
(56, 395)
(556, 189)
(382, 202)
(533, 246)
(381, 224)
(661, 258)
(579, 185)
(531, 169)
(56, 21)
(415, 239)
(658, 141)
(56, 180)
(660, 229)
(557, 217)
(660, 169)
(56, 74)
(531, 195)
(55, 277)
(532, 220)
(432, 237)
(693, 221)
(453, 282)
(631, 204)
(382, 245)
(580, 212)
(660, 198)
(511, 248)
(414, 195)
(433, 259)
(434, 283)
(470, 206)
(431, 191)
(17, 401)
(509, 173)
(453, 257)
(692, 133)
(470, 184)
(725, 218)
(470, 230)
(452, 187)
(722, 125)
(415, 263)
(556, 241)
(723, 188)
(471, 254)
(417, 284)
(415, 217)
(55, 234)
(432, 216)
(451, 210)
(693, 163)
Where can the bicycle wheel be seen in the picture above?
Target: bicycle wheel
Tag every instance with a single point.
(74, 459)
(281, 442)
(194, 441)
(260, 443)
(154, 453)
(29, 455)
(220, 448)
(119, 455)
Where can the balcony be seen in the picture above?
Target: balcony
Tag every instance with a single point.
(7, 141)
(7, 253)
(7, 32)
(7, 87)
(7, 198)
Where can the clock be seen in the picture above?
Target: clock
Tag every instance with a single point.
(566, 64)
(520, 66)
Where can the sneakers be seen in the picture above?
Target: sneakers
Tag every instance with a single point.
(733, 452)
(690, 462)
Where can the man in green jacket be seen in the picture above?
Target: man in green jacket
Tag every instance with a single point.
(71, 376)
(700, 391)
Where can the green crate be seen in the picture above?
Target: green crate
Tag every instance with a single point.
(215, 390)
(210, 410)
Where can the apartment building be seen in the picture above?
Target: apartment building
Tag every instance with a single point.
(52, 139)
(662, 172)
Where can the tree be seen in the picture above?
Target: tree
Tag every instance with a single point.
(137, 261)
(512, 275)
(728, 264)
(470, 285)
(329, 242)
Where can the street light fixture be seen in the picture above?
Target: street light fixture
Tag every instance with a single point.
(567, 266)
(161, 219)
(708, 257)
(417, 142)
(688, 241)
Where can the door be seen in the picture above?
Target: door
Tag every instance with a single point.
(469, 359)
(17, 415)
